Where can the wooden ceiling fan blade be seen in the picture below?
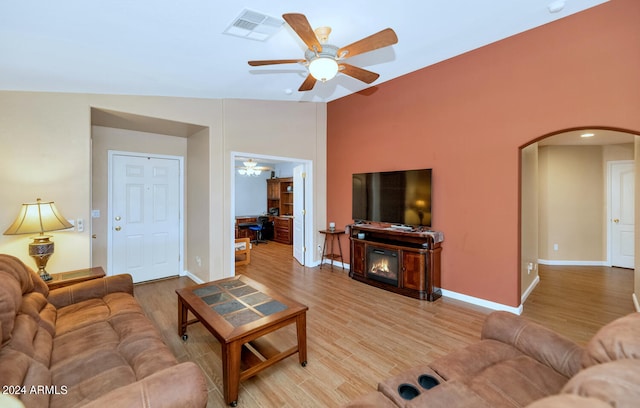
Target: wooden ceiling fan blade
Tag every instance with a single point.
(380, 39)
(359, 73)
(308, 84)
(300, 24)
(274, 62)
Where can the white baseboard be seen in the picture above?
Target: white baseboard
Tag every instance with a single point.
(635, 302)
(530, 289)
(481, 302)
(572, 263)
(346, 266)
(192, 277)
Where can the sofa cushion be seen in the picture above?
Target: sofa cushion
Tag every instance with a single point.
(617, 340)
(115, 346)
(568, 401)
(19, 369)
(473, 359)
(91, 311)
(10, 301)
(17, 280)
(517, 382)
(534, 340)
(617, 383)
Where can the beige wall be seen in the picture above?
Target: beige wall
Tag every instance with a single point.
(47, 153)
(573, 200)
(571, 203)
(198, 204)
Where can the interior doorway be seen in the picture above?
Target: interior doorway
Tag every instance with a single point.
(300, 171)
(565, 215)
(621, 213)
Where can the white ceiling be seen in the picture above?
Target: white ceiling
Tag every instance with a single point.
(174, 48)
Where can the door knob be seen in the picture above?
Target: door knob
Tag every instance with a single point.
(616, 220)
(118, 228)
(118, 218)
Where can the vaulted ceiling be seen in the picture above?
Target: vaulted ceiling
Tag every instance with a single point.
(171, 48)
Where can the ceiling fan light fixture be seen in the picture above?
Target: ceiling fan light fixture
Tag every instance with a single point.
(323, 68)
(251, 168)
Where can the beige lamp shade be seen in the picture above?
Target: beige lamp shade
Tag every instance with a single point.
(38, 217)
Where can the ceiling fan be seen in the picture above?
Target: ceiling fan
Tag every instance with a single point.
(251, 168)
(323, 60)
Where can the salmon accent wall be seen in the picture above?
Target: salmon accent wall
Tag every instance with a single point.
(467, 117)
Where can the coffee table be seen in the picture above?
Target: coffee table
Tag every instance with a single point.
(237, 311)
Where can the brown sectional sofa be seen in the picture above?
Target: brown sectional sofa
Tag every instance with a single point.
(518, 363)
(86, 345)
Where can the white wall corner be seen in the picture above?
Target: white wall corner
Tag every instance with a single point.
(530, 289)
(192, 277)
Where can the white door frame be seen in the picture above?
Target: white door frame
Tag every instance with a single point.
(610, 165)
(309, 218)
(110, 154)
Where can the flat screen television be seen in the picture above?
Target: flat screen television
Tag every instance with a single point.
(395, 197)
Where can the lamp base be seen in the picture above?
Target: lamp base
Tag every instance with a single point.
(41, 250)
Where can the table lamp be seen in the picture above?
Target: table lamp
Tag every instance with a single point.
(39, 217)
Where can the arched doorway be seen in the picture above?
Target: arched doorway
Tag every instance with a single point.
(564, 202)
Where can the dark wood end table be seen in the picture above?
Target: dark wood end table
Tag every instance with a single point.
(236, 311)
(59, 280)
(332, 235)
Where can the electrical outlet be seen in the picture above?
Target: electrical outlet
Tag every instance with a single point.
(80, 225)
(319, 249)
(555, 247)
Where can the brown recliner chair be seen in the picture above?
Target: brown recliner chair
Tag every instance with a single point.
(518, 363)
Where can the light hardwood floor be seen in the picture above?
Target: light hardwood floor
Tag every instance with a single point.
(358, 334)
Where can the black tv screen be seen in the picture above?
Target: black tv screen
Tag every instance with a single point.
(395, 197)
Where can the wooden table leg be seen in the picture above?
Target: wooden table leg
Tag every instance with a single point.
(231, 354)
(324, 248)
(301, 329)
(340, 248)
(182, 319)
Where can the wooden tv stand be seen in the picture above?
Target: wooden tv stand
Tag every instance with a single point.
(418, 253)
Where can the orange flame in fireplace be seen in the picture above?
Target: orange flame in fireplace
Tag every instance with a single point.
(381, 267)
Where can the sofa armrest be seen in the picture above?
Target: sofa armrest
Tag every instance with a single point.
(180, 386)
(93, 289)
(534, 340)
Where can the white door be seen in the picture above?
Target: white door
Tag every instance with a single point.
(622, 214)
(299, 179)
(144, 216)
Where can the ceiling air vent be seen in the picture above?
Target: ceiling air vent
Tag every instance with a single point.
(254, 25)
